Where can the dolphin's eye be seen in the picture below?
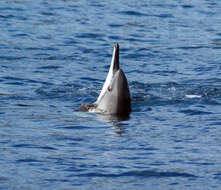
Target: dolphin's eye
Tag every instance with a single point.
(109, 88)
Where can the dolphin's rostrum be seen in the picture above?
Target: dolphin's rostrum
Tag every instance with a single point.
(115, 95)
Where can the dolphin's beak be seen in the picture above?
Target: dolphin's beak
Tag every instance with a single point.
(115, 58)
(114, 67)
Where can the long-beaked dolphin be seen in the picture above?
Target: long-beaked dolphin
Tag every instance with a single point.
(114, 98)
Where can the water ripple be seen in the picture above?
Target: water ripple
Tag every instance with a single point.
(145, 174)
(133, 13)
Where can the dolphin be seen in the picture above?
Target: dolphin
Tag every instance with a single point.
(114, 98)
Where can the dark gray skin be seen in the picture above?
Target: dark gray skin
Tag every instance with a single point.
(115, 95)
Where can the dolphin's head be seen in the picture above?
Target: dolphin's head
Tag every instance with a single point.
(115, 95)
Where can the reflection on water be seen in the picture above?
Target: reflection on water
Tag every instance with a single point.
(113, 118)
(118, 122)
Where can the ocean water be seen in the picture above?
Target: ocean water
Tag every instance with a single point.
(55, 55)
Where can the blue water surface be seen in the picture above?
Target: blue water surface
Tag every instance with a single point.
(55, 55)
